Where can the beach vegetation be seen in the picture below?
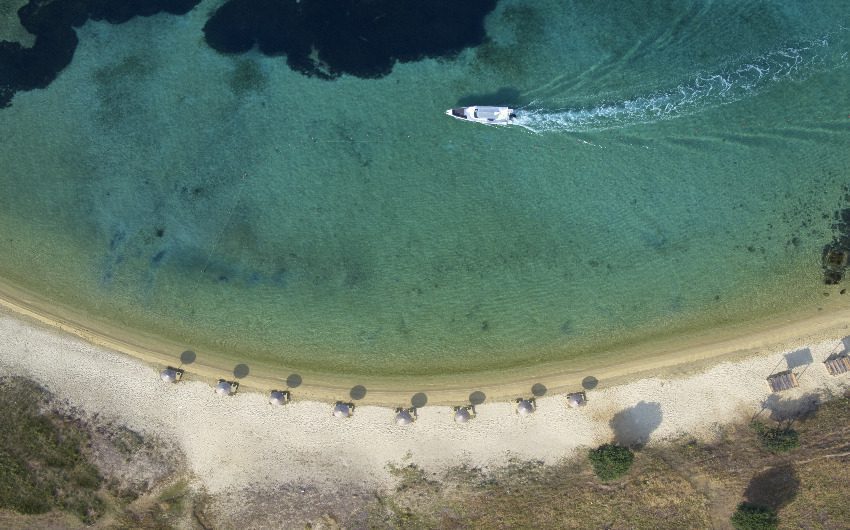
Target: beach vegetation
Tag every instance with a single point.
(42, 466)
(689, 482)
(776, 439)
(58, 465)
(611, 461)
(753, 517)
(412, 477)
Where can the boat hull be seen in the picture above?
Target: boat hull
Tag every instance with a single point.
(485, 115)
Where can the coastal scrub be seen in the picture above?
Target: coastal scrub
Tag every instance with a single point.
(752, 517)
(611, 461)
(776, 439)
(41, 464)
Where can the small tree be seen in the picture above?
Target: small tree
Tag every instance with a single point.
(752, 517)
(776, 439)
(611, 461)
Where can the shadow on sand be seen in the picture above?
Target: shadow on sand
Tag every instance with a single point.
(357, 392)
(419, 400)
(789, 410)
(240, 371)
(634, 425)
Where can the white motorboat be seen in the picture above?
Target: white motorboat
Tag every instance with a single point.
(486, 115)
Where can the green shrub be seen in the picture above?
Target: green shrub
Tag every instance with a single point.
(776, 439)
(41, 462)
(752, 517)
(611, 461)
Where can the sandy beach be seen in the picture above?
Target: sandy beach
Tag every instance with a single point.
(237, 442)
(688, 353)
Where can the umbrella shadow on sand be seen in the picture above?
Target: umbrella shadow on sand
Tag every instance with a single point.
(357, 392)
(419, 399)
(634, 425)
(789, 410)
(241, 370)
(188, 357)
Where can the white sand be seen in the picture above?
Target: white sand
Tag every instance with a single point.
(240, 441)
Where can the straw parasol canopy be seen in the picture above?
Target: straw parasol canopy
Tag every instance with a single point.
(576, 399)
(224, 388)
(277, 397)
(462, 415)
(169, 375)
(524, 407)
(342, 410)
(403, 417)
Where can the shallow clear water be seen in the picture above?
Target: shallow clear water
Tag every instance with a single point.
(679, 168)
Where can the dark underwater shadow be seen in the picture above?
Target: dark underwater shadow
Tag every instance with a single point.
(364, 39)
(53, 25)
(505, 96)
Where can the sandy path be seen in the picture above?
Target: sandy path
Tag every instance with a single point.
(234, 442)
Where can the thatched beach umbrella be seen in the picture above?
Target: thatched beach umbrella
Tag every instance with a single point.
(171, 374)
(524, 407)
(279, 397)
(576, 399)
(226, 388)
(405, 416)
(343, 410)
(464, 414)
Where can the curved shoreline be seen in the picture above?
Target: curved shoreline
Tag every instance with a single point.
(674, 356)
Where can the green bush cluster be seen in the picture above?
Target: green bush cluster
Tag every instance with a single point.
(611, 461)
(752, 517)
(776, 439)
(41, 464)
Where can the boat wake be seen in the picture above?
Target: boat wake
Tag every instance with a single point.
(743, 79)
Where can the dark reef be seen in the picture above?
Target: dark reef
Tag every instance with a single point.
(53, 22)
(356, 37)
(364, 38)
(835, 254)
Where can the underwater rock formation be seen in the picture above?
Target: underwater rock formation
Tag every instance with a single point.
(835, 255)
(53, 22)
(319, 38)
(355, 37)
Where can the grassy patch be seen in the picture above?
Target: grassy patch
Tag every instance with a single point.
(41, 462)
(611, 461)
(532, 495)
(777, 439)
(685, 483)
(753, 517)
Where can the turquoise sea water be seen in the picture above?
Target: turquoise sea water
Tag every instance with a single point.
(678, 167)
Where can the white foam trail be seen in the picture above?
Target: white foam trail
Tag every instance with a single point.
(703, 91)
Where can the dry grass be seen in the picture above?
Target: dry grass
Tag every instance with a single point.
(682, 484)
(530, 495)
(63, 470)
